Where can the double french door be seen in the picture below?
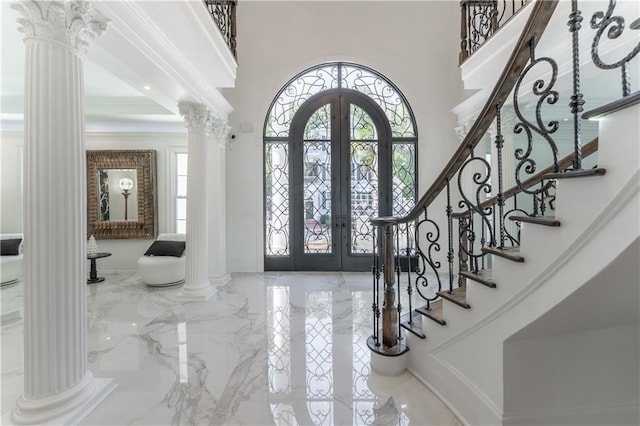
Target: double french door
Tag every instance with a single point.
(340, 177)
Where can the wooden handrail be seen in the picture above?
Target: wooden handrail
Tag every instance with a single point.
(531, 34)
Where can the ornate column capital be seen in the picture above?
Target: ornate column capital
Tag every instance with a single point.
(220, 129)
(463, 129)
(71, 23)
(196, 116)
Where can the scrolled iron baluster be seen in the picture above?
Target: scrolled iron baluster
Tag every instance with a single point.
(513, 239)
(545, 93)
(481, 180)
(425, 258)
(600, 21)
(465, 236)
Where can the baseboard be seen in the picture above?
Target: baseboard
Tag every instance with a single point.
(609, 414)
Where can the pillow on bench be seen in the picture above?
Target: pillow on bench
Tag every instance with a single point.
(10, 247)
(166, 248)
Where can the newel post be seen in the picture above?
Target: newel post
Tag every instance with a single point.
(464, 50)
(389, 311)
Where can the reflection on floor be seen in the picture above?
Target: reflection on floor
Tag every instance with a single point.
(283, 349)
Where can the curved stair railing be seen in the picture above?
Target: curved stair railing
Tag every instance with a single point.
(445, 248)
(480, 19)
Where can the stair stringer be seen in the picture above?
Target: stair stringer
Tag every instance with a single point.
(463, 362)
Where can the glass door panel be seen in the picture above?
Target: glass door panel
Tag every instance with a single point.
(364, 179)
(277, 199)
(317, 177)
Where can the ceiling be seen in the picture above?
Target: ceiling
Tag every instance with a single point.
(131, 85)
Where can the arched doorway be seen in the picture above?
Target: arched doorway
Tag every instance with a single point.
(340, 146)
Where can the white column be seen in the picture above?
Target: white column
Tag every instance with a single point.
(58, 387)
(197, 286)
(217, 217)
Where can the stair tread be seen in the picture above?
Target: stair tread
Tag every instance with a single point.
(538, 220)
(457, 296)
(511, 253)
(415, 327)
(576, 173)
(482, 276)
(434, 312)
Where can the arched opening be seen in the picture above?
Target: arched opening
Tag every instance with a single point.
(340, 147)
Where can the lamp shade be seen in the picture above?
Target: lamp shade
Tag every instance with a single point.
(125, 184)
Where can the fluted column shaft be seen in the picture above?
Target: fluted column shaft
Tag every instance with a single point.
(217, 216)
(197, 286)
(55, 198)
(56, 379)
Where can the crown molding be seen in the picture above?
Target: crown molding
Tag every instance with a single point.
(173, 47)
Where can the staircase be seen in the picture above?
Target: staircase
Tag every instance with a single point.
(537, 323)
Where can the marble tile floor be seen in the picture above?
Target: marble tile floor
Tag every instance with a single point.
(267, 349)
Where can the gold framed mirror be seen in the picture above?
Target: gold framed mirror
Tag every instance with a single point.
(122, 194)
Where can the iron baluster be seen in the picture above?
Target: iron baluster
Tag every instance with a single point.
(483, 241)
(463, 248)
(398, 278)
(425, 256)
(493, 221)
(450, 232)
(600, 21)
(499, 146)
(545, 93)
(473, 204)
(543, 208)
(577, 101)
(409, 286)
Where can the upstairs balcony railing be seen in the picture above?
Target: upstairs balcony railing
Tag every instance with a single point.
(223, 13)
(470, 212)
(480, 19)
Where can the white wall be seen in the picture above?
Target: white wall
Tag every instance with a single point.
(11, 152)
(125, 253)
(414, 44)
(587, 378)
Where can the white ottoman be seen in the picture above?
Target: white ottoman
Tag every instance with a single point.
(11, 265)
(163, 271)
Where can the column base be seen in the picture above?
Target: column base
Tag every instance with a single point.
(198, 294)
(220, 281)
(67, 407)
